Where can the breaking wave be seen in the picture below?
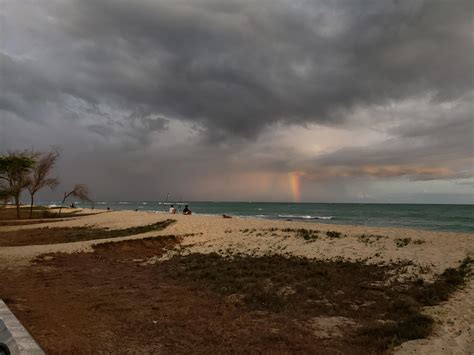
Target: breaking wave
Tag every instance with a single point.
(304, 216)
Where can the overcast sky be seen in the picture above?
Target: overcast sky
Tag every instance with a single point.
(268, 100)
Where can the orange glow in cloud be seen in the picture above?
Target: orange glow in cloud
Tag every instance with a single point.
(295, 185)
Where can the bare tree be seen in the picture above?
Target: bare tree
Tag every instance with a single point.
(39, 176)
(80, 191)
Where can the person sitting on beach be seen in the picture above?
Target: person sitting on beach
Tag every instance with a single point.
(172, 210)
(226, 216)
(186, 210)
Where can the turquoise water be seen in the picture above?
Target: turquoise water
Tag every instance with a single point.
(456, 218)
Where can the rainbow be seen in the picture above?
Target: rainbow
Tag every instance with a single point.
(295, 185)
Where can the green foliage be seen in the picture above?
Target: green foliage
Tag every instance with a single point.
(14, 170)
(14, 165)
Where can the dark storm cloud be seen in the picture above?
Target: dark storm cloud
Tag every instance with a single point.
(23, 88)
(238, 66)
(105, 78)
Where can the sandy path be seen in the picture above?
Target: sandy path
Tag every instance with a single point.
(454, 332)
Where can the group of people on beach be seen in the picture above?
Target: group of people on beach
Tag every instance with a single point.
(186, 210)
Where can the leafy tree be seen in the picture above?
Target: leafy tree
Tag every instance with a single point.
(39, 176)
(14, 170)
(80, 191)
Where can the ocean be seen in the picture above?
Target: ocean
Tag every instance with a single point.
(455, 218)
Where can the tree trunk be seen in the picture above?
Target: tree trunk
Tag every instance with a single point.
(61, 207)
(17, 203)
(31, 206)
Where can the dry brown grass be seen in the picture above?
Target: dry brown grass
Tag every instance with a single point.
(209, 303)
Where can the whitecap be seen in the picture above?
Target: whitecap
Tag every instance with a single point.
(304, 216)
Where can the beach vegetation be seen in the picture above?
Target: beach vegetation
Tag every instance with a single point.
(14, 170)
(403, 242)
(446, 283)
(80, 191)
(333, 234)
(407, 305)
(369, 239)
(39, 176)
(30, 169)
(41, 214)
(306, 234)
(234, 302)
(259, 282)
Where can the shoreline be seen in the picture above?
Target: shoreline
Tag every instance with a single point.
(331, 216)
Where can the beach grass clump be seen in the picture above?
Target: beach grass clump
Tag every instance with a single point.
(333, 234)
(306, 234)
(248, 231)
(369, 239)
(403, 242)
(46, 235)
